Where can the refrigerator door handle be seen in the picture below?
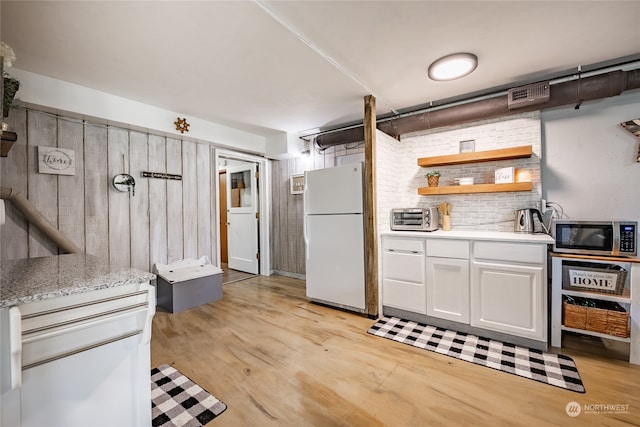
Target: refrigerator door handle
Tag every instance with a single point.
(305, 197)
(306, 239)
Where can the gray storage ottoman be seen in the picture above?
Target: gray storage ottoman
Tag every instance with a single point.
(184, 286)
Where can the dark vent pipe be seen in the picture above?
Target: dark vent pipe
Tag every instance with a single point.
(572, 92)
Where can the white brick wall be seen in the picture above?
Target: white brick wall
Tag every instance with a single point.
(399, 176)
(390, 182)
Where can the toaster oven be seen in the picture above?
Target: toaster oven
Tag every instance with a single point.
(416, 219)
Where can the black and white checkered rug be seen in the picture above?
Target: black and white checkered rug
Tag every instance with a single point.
(554, 369)
(177, 401)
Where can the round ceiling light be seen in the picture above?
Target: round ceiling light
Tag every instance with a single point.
(453, 67)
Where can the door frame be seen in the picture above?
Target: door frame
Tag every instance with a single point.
(222, 199)
(264, 196)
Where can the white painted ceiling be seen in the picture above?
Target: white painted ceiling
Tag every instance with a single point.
(297, 66)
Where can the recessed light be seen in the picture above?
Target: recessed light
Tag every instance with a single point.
(453, 66)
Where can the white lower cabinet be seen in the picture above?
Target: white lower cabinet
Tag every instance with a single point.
(509, 295)
(78, 360)
(486, 285)
(448, 279)
(403, 274)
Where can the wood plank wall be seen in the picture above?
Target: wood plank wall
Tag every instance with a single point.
(164, 221)
(287, 243)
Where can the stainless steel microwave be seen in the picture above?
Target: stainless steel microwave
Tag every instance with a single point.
(609, 238)
(417, 219)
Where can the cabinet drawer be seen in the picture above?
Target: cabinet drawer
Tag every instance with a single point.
(448, 248)
(47, 346)
(403, 266)
(403, 245)
(403, 295)
(510, 252)
(79, 308)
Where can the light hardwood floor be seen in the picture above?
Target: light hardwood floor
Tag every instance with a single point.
(230, 276)
(276, 359)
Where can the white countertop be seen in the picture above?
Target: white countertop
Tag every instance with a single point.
(34, 279)
(497, 236)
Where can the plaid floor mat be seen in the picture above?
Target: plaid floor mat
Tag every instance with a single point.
(553, 369)
(177, 401)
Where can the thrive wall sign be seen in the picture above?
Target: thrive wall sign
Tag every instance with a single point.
(57, 161)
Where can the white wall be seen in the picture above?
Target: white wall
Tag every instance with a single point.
(53, 95)
(589, 161)
(389, 154)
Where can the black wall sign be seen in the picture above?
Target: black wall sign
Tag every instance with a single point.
(161, 175)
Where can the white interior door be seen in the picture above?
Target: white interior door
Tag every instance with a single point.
(242, 218)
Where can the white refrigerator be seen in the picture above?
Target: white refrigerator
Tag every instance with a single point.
(334, 236)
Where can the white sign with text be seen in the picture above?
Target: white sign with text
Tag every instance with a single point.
(59, 161)
(504, 175)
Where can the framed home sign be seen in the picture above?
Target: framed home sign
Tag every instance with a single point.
(58, 161)
(296, 183)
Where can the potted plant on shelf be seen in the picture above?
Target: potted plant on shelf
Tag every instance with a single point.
(433, 178)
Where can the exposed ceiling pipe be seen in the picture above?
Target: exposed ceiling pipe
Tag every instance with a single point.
(570, 92)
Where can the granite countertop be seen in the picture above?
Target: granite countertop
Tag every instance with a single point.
(35, 279)
(504, 236)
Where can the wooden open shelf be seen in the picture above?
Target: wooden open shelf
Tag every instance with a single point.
(478, 188)
(596, 257)
(595, 334)
(624, 298)
(478, 156)
(8, 138)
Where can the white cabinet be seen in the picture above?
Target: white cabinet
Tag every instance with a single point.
(508, 299)
(489, 287)
(448, 279)
(508, 289)
(403, 274)
(67, 356)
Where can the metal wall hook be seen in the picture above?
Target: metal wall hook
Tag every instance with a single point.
(124, 182)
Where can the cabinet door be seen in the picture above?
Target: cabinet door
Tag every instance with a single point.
(509, 299)
(448, 288)
(403, 279)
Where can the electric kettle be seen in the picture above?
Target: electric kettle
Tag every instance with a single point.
(525, 221)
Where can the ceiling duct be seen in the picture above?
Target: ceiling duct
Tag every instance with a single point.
(600, 86)
(533, 94)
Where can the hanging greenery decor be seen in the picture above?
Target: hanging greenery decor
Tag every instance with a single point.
(11, 84)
